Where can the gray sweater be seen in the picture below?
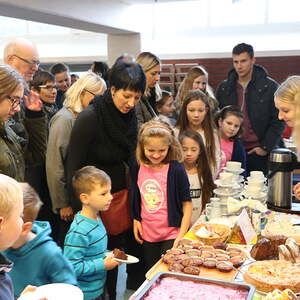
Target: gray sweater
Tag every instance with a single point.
(59, 135)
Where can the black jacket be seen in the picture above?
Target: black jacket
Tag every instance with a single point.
(102, 137)
(259, 98)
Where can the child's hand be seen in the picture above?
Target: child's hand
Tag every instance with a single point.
(296, 190)
(138, 231)
(175, 244)
(109, 263)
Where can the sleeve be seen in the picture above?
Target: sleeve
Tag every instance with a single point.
(36, 127)
(59, 269)
(134, 195)
(59, 136)
(82, 135)
(75, 248)
(276, 127)
(220, 95)
(183, 184)
(139, 114)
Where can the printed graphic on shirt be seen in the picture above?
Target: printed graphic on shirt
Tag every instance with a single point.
(153, 195)
(195, 193)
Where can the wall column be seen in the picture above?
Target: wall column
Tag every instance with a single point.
(117, 44)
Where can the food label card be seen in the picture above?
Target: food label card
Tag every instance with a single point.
(246, 227)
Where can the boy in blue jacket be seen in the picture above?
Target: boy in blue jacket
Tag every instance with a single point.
(37, 258)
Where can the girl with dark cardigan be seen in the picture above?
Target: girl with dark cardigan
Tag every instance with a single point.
(104, 135)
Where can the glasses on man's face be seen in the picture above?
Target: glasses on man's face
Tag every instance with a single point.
(14, 101)
(90, 92)
(31, 63)
(48, 87)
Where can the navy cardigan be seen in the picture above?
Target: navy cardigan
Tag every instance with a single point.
(239, 153)
(178, 191)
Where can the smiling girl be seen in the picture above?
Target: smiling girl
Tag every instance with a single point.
(196, 115)
(229, 121)
(161, 203)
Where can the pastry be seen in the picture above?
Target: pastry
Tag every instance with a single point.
(169, 258)
(175, 251)
(219, 245)
(193, 252)
(224, 257)
(175, 267)
(207, 254)
(209, 263)
(237, 261)
(119, 254)
(224, 266)
(192, 261)
(191, 270)
(273, 274)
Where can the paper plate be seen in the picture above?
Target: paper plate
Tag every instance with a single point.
(130, 260)
(54, 291)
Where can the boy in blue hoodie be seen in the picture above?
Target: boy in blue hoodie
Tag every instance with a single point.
(37, 258)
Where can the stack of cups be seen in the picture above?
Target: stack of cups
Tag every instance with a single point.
(255, 185)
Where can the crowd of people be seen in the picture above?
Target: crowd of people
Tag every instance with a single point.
(112, 161)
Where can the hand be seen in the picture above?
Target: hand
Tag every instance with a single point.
(296, 190)
(138, 231)
(175, 244)
(110, 263)
(259, 151)
(33, 102)
(66, 213)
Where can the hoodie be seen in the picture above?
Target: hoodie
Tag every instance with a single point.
(39, 261)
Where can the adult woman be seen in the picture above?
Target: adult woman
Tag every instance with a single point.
(104, 135)
(145, 109)
(13, 149)
(196, 79)
(78, 97)
(287, 101)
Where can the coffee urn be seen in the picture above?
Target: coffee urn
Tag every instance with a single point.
(282, 162)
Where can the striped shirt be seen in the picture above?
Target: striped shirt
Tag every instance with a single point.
(85, 246)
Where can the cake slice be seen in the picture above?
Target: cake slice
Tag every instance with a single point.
(119, 254)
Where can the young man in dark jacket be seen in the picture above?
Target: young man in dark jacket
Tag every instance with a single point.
(249, 87)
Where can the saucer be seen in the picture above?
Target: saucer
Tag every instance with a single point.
(227, 185)
(223, 192)
(234, 171)
(261, 196)
(263, 179)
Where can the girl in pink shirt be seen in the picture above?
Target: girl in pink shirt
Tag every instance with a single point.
(160, 202)
(229, 121)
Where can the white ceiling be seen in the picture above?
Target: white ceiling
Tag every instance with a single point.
(149, 1)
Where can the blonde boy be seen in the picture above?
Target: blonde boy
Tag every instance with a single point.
(36, 251)
(11, 211)
(86, 240)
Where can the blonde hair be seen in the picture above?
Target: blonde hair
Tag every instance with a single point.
(10, 80)
(10, 194)
(85, 179)
(158, 128)
(187, 84)
(148, 61)
(32, 202)
(87, 82)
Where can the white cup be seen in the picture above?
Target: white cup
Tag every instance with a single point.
(226, 178)
(233, 165)
(257, 175)
(255, 183)
(253, 191)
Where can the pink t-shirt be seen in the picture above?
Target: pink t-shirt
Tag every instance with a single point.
(154, 206)
(226, 152)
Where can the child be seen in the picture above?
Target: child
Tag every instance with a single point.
(230, 120)
(161, 204)
(165, 106)
(198, 171)
(196, 115)
(35, 250)
(86, 240)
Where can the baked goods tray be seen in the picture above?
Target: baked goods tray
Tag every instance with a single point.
(247, 288)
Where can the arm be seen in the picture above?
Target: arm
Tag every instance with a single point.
(185, 222)
(59, 136)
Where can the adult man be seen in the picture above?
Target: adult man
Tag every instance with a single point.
(63, 81)
(249, 87)
(23, 56)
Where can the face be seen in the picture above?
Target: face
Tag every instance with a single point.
(196, 111)
(286, 112)
(87, 96)
(200, 83)
(156, 149)
(168, 108)
(100, 198)
(229, 126)
(125, 100)
(73, 79)
(48, 92)
(8, 107)
(191, 150)
(243, 64)
(152, 76)
(11, 227)
(26, 62)
(63, 81)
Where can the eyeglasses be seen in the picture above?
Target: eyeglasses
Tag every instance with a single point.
(90, 92)
(31, 63)
(48, 87)
(14, 101)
